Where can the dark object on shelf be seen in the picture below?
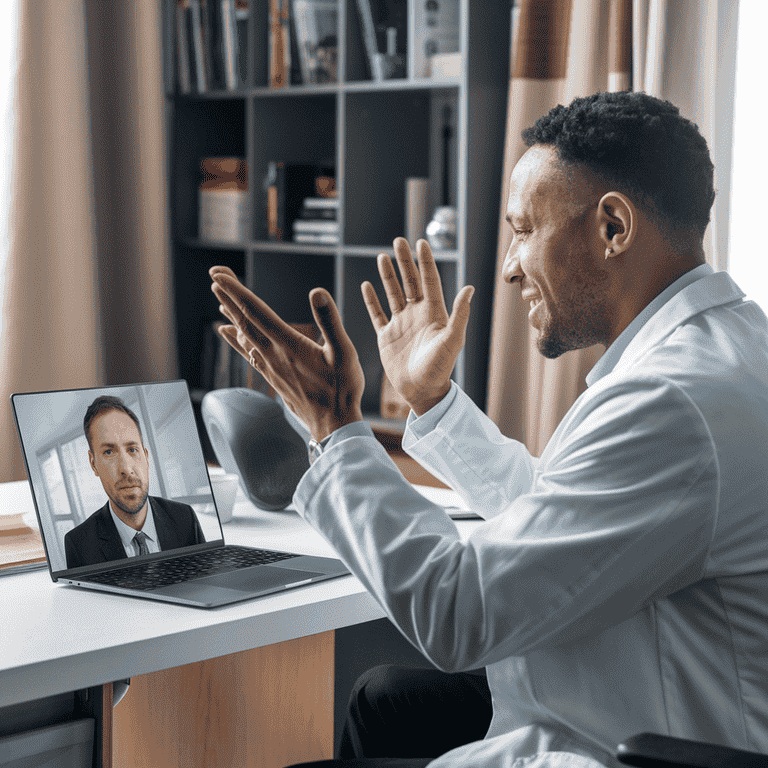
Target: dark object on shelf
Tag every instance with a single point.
(252, 438)
(651, 750)
(287, 186)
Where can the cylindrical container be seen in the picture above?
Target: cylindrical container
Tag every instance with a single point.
(223, 200)
(416, 194)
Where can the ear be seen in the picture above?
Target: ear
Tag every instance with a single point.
(617, 223)
(92, 462)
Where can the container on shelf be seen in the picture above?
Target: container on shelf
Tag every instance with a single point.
(223, 200)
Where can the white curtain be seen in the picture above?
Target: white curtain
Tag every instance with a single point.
(685, 51)
(9, 36)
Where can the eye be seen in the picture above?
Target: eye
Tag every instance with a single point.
(520, 234)
(108, 452)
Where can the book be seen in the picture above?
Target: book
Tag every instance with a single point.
(242, 9)
(197, 47)
(316, 24)
(183, 70)
(287, 186)
(316, 239)
(279, 44)
(212, 38)
(229, 44)
(21, 547)
(302, 226)
(327, 203)
(433, 27)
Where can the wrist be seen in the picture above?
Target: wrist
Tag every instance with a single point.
(324, 428)
(424, 404)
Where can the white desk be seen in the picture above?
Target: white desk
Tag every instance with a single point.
(56, 638)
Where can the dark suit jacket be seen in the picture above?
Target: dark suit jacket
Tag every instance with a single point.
(96, 539)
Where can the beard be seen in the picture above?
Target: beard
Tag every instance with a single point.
(132, 509)
(578, 321)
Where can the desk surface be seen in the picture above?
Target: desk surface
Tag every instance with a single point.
(56, 638)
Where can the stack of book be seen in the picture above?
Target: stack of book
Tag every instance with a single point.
(318, 221)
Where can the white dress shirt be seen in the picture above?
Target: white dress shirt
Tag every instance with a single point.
(127, 534)
(620, 583)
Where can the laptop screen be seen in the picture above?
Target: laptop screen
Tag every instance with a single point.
(140, 467)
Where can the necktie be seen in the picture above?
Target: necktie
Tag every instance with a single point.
(140, 543)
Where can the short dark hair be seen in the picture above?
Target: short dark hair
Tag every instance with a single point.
(641, 144)
(104, 404)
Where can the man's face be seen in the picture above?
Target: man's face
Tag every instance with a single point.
(555, 253)
(120, 461)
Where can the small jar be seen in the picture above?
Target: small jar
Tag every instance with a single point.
(441, 231)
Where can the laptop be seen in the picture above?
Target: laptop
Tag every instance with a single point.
(140, 468)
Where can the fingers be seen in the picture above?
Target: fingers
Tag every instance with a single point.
(430, 277)
(253, 310)
(457, 322)
(408, 270)
(328, 319)
(372, 304)
(391, 283)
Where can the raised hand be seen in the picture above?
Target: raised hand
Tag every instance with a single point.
(420, 342)
(321, 383)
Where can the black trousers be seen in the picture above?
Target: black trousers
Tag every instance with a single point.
(402, 717)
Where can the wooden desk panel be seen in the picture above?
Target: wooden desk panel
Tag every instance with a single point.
(266, 708)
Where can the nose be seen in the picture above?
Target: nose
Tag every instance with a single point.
(511, 270)
(124, 464)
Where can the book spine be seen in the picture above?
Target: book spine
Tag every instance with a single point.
(303, 37)
(369, 33)
(317, 239)
(278, 73)
(230, 45)
(325, 227)
(213, 62)
(198, 46)
(182, 48)
(331, 203)
(276, 201)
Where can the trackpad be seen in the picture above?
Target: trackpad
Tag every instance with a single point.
(257, 578)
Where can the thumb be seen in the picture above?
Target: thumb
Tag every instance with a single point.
(457, 322)
(328, 319)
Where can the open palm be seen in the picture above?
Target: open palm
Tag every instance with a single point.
(420, 342)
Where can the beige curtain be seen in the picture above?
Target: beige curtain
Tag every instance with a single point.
(567, 48)
(88, 293)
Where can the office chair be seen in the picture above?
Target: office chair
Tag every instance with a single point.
(651, 750)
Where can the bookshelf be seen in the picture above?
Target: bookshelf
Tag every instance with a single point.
(375, 134)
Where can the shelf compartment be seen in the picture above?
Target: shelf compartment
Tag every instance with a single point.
(201, 128)
(390, 136)
(289, 130)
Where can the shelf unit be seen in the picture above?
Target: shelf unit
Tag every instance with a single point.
(375, 134)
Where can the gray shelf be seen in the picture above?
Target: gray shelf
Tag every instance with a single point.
(375, 134)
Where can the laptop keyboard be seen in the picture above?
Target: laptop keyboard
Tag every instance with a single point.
(163, 573)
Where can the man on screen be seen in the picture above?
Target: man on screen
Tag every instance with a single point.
(131, 522)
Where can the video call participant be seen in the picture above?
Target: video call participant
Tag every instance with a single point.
(619, 583)
(131, 522)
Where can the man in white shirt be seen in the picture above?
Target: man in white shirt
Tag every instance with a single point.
(619, 584)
